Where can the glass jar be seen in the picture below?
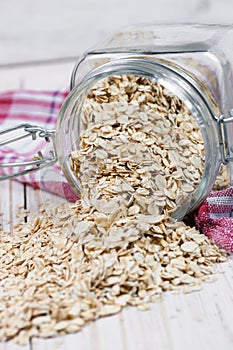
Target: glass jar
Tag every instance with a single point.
(194, 62)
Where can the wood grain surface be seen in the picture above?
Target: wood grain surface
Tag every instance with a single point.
(59, 32)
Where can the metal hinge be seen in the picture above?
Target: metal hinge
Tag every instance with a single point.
(39, 161)
(226, 150)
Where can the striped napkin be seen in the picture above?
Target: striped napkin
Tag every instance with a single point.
(38, 108)
(215, 218)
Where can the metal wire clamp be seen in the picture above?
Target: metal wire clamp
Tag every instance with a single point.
(39, 161)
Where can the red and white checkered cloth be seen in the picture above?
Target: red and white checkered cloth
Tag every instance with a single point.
(215, 218)
(41, 108)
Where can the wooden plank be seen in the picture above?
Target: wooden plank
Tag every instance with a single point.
(44, 77)
(12, 196)
(5, 205)
(199, 320)
(12, 346)
(30, 31)
(38, 198)
(89, 338)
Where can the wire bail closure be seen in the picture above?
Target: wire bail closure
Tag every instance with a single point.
(226, 148)
(39, 161)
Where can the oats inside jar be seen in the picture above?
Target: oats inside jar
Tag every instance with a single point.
(141, 149)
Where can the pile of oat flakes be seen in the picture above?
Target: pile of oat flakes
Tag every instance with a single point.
(141, 155)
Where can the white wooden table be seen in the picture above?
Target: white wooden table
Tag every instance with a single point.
(199, 320)
(56, 31)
